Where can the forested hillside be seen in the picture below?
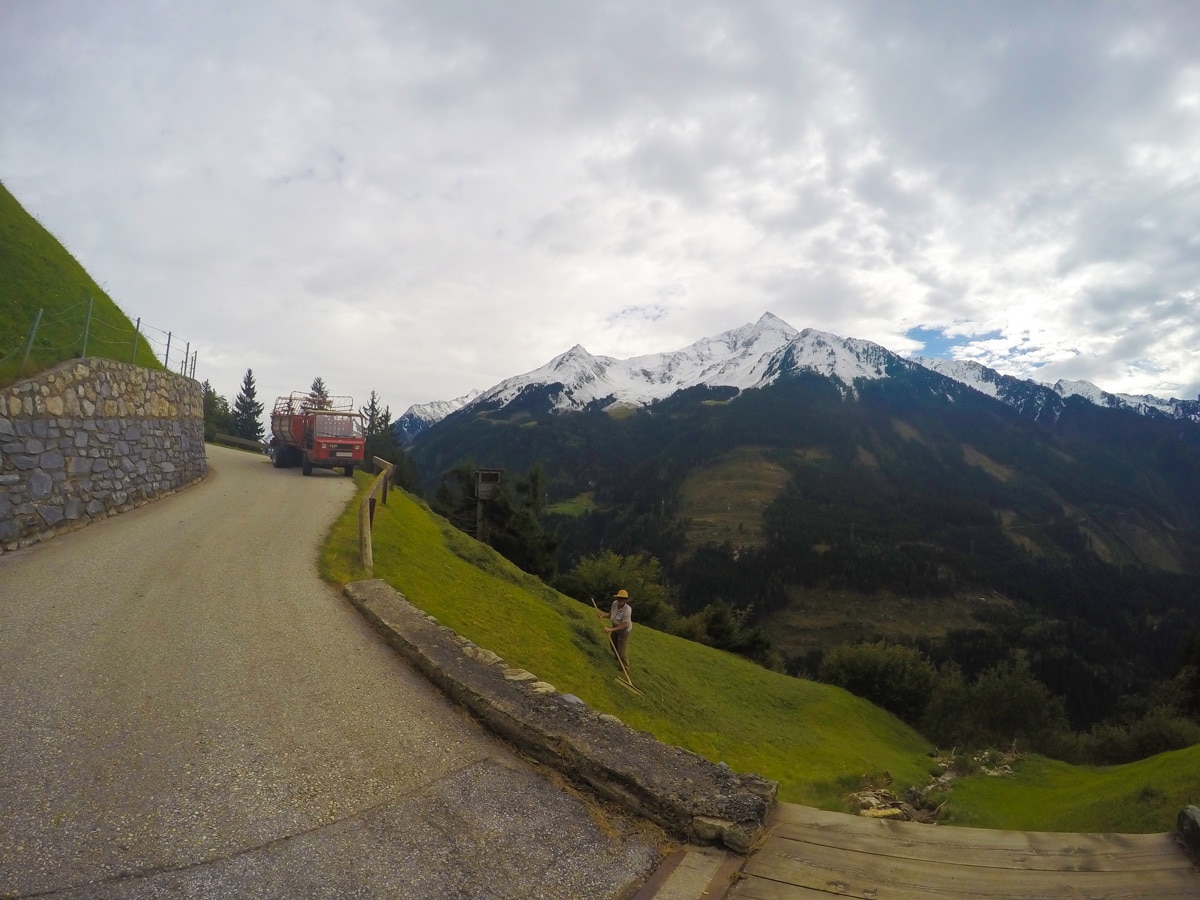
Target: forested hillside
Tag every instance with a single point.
(1074, 542)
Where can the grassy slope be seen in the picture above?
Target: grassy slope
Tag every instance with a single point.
(36, 272)
(724, 501)
(817, 741)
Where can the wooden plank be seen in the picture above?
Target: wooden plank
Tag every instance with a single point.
(1140, 850)
(855, 874)
(758, 888)
(958, 835)
(1061, 853)
(761, 889)
(813, 853)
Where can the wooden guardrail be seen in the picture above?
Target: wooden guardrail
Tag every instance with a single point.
(366, 513)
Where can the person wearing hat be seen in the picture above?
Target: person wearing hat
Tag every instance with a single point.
(621, 616)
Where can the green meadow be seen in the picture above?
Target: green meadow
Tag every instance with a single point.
(819, 742)
(38, 273)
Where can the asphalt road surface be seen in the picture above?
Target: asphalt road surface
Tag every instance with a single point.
(186, 710)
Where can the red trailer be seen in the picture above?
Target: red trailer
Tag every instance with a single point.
(316, 433)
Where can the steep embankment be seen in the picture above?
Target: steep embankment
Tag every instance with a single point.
(819, 742)
(38, 273)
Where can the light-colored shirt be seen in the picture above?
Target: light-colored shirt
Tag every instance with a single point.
(621, 617)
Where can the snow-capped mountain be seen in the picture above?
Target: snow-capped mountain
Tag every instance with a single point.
(1037, 399)
(745, 358)
(420, 416)
(1144, 404)
(748, 357)
(754, 356)
(742, 358)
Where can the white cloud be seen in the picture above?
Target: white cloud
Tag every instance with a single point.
(423, 198)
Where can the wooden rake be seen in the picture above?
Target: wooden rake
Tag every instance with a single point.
(626, 681)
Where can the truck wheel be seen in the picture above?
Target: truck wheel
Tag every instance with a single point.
(349, 470)
(307, 468)
(277, 457)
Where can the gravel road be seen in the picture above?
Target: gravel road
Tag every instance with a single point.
(186, 710)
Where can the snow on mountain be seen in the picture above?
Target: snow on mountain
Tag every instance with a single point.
(420, 416)
(1143, 404)
(845, 359)
(1033, 397)
(747, 357)
(753, 356)
(967, 372)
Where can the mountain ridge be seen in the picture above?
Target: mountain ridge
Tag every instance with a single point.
(752, 356)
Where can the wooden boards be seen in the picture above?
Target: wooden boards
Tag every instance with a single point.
(812, 853)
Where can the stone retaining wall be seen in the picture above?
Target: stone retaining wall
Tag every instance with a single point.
(91, 438)
(684, 793)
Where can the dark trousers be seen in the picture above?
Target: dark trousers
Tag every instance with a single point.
(619, 639)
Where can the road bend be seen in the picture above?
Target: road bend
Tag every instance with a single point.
(186, 710)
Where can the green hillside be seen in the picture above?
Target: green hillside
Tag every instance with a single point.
(37, 272)
(819, 742)
(915, 510)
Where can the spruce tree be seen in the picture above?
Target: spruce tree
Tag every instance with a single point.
(371, 414)
(247, 411)
(318, 394)
(381, 440)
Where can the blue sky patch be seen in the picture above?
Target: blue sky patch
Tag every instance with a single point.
(939, 346)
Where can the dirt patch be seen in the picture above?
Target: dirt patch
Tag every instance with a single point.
(725, 501)
(866, 458)
(819, 619)
(973, 457)
(907, 432)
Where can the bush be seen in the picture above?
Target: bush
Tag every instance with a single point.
(899, 679)
(1008, 704)
(596, 578)
(1160, 730)
(948, 708)
(720, 625)
(1005, 705)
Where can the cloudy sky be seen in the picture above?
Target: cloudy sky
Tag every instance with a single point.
(422, 198)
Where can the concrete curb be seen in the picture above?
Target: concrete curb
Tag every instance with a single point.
(1187, 830)
(682, 792)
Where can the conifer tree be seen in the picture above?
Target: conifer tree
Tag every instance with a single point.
(381, 442)
(372, 415)
(247, 411)
(218, 418)
(318, 394)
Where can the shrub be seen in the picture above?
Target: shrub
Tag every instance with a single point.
(899, 679)
(1160, 730)
(1009, 704)
(948, 708)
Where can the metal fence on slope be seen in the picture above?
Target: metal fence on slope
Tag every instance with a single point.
(98, 337)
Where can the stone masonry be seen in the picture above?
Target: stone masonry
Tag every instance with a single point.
(91, 438)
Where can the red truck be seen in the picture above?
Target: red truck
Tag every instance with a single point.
(316, 433)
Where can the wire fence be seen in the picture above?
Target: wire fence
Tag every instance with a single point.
(77, 331)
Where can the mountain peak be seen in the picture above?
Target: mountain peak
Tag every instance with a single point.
(576, 356)
(768, 321)
(760, 353)
(750, 356)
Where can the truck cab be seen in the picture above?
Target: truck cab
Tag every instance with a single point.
(312, 434)
(334, 439)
